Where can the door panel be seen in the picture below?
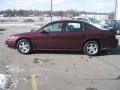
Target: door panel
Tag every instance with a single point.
(51, 39)
(72, 36)
(71, 40)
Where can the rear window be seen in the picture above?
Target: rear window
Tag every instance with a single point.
(87, 26)
(93, 26)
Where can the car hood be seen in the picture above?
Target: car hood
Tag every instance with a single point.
(26, 34)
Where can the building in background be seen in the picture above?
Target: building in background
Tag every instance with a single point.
(99, 16)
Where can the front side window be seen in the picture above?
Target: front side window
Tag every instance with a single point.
(57, 27)
(73, 27)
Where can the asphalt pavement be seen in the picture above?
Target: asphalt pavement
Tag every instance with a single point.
(57, 70)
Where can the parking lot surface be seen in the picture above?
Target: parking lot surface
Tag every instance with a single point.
(57, 70)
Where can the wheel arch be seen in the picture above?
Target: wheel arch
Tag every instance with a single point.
(21, 39)
(92, 40)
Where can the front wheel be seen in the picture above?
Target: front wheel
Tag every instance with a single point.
(91, 48)
(24, 46)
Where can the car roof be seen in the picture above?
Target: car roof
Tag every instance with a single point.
(67, 21)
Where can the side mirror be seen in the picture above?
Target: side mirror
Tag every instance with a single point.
(32, 30)
(45, 32)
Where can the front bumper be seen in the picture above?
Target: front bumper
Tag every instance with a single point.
(10, 44)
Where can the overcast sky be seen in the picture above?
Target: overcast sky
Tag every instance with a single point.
(80, 5)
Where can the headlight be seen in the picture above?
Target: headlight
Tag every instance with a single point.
(12, 37)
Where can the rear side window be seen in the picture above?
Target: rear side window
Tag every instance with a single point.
(73, 27)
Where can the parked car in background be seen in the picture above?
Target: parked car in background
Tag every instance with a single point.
(27, 20)
(87, 19)
(115, 24)
(92, 20)
(1, 20)
(65, 35)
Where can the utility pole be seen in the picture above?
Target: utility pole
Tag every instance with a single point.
(116, 7)
(51, 9)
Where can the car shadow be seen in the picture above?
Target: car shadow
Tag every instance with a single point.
(116, 51)
(111, 52)
(59, 52)
(103, 53)
(2, 29)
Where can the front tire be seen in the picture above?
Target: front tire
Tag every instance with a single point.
(91, 48)
(24, 46)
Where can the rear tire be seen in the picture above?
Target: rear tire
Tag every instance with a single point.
(24, 46)
(91, 48)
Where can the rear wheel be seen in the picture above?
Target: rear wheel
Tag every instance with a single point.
(24, 46)
(91, 48)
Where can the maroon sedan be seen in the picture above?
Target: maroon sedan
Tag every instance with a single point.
(65, 35)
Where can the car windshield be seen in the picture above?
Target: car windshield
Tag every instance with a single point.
(35, 29)
(93, 20)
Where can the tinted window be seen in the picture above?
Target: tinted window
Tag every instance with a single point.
(57, 27)
(88, 27)
(73, 27)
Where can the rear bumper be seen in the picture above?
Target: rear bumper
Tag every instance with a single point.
(110, 44)
(115, 43)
